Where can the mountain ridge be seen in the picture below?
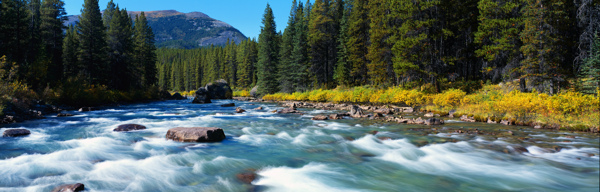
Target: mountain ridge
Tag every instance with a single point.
(174, 29)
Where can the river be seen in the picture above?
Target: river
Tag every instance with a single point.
(288, 152)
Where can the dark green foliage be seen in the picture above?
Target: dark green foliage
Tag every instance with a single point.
(93, 49)
(51, 27)
(144, 51)
(590, 69)
(268, 54)
(71, 64)
(120, 43)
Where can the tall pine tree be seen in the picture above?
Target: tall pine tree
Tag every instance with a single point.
(51, 29)
(268, 54)
(145, 50)
(93, 50)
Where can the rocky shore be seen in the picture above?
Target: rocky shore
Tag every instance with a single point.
(393, 113)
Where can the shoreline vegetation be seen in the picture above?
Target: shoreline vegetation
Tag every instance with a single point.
(567, 111)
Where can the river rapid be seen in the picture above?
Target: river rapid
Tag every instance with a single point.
(288, 152)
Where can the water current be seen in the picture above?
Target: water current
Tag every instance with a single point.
(288, 152)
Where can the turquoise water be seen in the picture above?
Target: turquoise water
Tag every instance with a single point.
(288, 152)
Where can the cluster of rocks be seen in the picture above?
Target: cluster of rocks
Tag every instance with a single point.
(216, 90)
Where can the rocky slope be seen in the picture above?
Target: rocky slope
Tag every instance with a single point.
(174, 29)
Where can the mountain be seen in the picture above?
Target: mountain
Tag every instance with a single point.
(174, 29)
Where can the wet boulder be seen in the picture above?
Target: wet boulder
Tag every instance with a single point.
(202, 96)
(287, 110)
(429, 115)
(196, 134)
(417, 121)
(129, 127)
(468, 119)
(320, 117)
(356, 111)
(246, 178)
(16, 133)
(239, 110)
(69, 188)
(219, 90)
(335, 116)
(504, 122)
(434, 121)
(259, 108)
(177, 96)
(254, 91)
(64, 115)
(385, 111)
(228, 105)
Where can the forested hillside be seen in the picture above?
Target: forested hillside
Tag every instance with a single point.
(548, 46)
(105, 58)
(173, 29)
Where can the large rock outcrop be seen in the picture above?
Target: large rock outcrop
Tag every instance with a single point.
(196, 134)
(356, 111)
(254, 91)
(219, 90)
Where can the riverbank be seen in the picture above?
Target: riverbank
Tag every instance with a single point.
(569, 111)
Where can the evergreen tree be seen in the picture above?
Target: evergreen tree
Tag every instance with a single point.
(268, 54)
(357, 34)
(498, 37)
(299, 55)
(120, 43)
(379, 53)
(72, 68)
(36, 62)
(590, 70)
(343, 67)
(14, 30)
(322, 43)
(589, 22)
(541, 50)
(286, 83)
(92, 44)
(51, 29)
(144, 50)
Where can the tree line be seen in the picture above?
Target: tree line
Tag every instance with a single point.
(112, 49)
(544, 45)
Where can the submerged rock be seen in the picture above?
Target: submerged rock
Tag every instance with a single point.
(16, 132)
(196, 134)
(201, 96)
(228, 105)
(239, 110)
(69, 188)
(64, 115)
(259, 108)
(335, 116)
(129, 127)
(246, 178)
(434, 121)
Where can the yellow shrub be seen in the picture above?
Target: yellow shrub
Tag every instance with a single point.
(450, 98)
(243, 93)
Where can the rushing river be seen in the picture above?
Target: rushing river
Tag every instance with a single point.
(288, 152)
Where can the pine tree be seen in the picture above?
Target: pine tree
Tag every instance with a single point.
(93, 50)
(145, 50)
(357, 35)
(268, 46)
(36, 63)
(119, 35)
(299, 55)
(321, 40)
(590, 70)
(379, 53)
(589, 22)
(498, 37)
(343, 66)
(51, 29)
(286, 69)
(15, 18)
(72, 68)
(541, 44)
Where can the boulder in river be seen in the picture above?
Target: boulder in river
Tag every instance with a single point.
(287, 110)
(201, 96)
(356, 111)
(385, 111)
(177, 96)
(129, 127)
(196, 134)
(336, 116)
(246, 178)
(16, 132)
(259, 108)
(239, 110)
(254, 91)
(69, 188)
(219, 90)
(228, 105)
(429, 115)
(320, 117)
(468, 119)
(434, 121)
(64, 115)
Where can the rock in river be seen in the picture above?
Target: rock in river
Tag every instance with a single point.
(228, 105)
(239, 110)
(320, 117)
(219, 90)
(201, 96)
(129, 127)
(16, 132)
(434, 121)
(356, 111)
(196, 134)
(69, 188)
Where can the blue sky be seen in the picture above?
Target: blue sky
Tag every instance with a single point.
(245, 15)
